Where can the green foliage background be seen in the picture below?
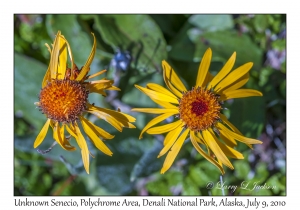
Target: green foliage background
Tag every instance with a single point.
(134, 169)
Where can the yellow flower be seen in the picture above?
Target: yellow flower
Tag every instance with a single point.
(64, 100)
(199, 112)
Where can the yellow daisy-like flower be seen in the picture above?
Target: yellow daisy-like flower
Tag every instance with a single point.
(64, 100)
(199, 112)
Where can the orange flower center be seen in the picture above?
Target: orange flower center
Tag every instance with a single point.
(63, 100)
(199, 109)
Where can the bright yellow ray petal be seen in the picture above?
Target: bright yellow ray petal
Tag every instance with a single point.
(118, 115)
(237, 84)
(154, 121)
(155, 110)
(223, 129)
(174, 151)
(203, 153)
(240, 93)
(203, 68)
(113, 88)
(97, 130)
(108, 118)
(160, 89)
(228, 151)
(209, 139)
(99, 85)
(70, 52)
(96, 74)
(228, 140)
(164, 128)
(62, 65)
(47, 77)
(223, 72)
(65, 142)
(171, 137)
(84, 149)
(170, 86)
(172, 76)
(71, 132)
(234, 76)
(165, 104)
(86, 68)
(157, 95)
(42, 134)
(54, 56)
(59, 137)
(94, 138)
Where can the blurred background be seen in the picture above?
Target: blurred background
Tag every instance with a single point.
(131, 48)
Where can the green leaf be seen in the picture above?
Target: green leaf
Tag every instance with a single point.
(212, 22)
(223, 44)
(137, 33)
(29, 74)
(248, 115)
(148, 163)
(114, 171)
(241, 169)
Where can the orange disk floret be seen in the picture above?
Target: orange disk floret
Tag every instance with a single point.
(63, 100)
(199, 109)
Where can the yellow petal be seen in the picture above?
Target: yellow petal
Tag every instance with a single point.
(174, 151)
(122, 117)
(62, 65)
(228, 140)
(155, 110)
(234, 76)
(95, 86)
(157, 96)
(203, 68)
(170, 86)
(42, 134)
(209, 139)
(172, 76)
(86, 68)
(71, 132)
(84, 149)
(94, 138)
(240, 93)
(224, 71)
(97, 130)
(47, 77)
(228, 151)
(108, 118)
(154, 121)
(170, 139)
(203, 153)
(113, 88)
(160, 89)
(58, 135)
(223, 129)
(165, 104)
(70, 52)
(96, 74)
(54, 56)
(237, 84)
(164, 128)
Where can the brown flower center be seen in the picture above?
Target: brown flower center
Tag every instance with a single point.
(63, 100)
(199, 109)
